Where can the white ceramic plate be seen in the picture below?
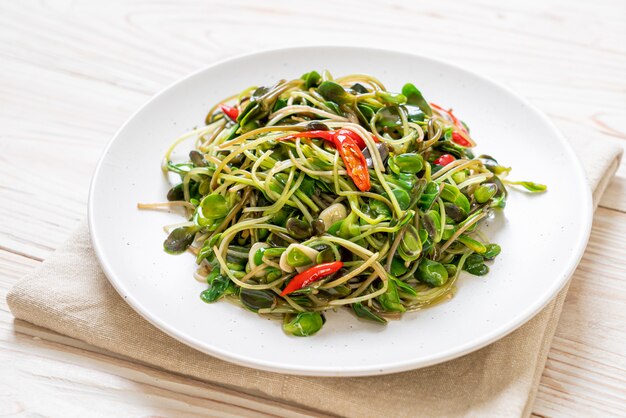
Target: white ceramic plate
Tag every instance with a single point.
(542, 236)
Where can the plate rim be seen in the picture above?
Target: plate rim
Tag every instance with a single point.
(365, 370)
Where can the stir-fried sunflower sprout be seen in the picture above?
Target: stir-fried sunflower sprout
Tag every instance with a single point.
(320, 193)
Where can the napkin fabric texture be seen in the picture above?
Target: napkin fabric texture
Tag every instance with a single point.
(70, 294)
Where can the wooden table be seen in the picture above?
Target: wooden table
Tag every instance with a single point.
(71, 72)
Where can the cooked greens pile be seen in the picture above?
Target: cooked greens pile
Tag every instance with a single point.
(319, 193)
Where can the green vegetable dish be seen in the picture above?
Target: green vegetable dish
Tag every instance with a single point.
(320, 193)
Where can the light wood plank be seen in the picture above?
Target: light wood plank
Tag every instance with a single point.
(586, 368)
(71, 380)
(615, 196)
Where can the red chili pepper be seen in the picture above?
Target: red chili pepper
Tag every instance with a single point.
(456, 121)
(330, 136)
(231, 112)
(445, 159)
(311, 275)
(354, 136)
(349, 145)
(460, 139)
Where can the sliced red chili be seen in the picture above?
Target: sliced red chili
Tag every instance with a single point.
(330, 136)
(354, 136)
(355, 162)
(349, 145)
(445, 159)
(231, 112)
(455, 120)
(311, 275)
(460, 139)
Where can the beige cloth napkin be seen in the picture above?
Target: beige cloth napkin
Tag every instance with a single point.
(70, 295)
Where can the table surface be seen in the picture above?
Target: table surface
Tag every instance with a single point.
(71, 72)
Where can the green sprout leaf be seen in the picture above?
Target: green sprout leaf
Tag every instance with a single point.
(530, 186)
(311, 79)
(414, 97)
(335, 93)
(304, 324)
(180, 239)
(365, 313)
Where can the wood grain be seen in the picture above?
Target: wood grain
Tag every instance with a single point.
(71, 72)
